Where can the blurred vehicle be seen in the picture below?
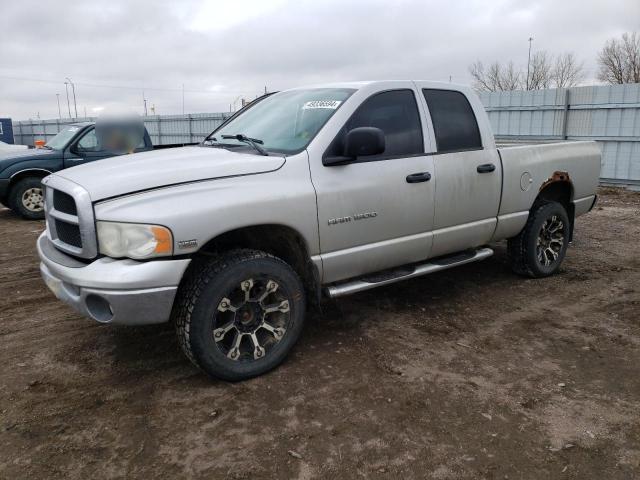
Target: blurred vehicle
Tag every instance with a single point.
(22, 169)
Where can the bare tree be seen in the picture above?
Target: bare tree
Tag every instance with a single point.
(567, 72)
(496, 78)
(545, 71)
(511, 77)
(619, 60)
(540, 71)
(480, 80)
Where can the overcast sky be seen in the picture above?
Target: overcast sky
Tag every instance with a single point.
(220, 50)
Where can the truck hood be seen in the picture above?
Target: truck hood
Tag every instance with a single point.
(161, 168)
(9, 157)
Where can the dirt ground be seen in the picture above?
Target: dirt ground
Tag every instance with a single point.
(470, 373)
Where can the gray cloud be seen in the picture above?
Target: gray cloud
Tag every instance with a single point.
(222, 50)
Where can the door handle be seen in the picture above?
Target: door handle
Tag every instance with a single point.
(419, 177)
(486, 168)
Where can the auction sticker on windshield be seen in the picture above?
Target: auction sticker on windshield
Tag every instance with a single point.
(330, 104)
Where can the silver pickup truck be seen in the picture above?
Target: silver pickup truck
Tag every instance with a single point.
(319, 191)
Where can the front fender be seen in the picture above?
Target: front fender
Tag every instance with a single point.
(200, 211)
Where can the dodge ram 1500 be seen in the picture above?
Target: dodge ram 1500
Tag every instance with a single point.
(319, 191)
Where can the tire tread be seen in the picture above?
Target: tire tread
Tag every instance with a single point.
(191, 289)
(517, 247)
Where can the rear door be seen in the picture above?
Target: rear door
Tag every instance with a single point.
(372, 214)
(467, 170)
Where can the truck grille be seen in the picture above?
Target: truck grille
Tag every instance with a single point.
(68, 233)
(70, 219)
(64, 203)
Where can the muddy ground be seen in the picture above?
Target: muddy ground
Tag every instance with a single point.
(470, 373)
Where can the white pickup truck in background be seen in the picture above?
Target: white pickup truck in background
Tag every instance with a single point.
(325, 190)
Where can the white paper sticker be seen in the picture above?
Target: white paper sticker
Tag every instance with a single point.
(330, 104)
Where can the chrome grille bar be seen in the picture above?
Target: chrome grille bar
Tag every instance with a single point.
(84, 219)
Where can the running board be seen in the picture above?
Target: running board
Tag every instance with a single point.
(403, 273)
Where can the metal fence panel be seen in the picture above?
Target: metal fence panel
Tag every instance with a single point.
(608, 114)
(163, 129)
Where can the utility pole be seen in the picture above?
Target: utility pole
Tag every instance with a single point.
(66, 87)
(73, 88)
(529, 61)
(144, 102)
(265, 89)
(59, 112)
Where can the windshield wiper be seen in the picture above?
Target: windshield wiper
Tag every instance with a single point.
(209, 142)
(254, 142)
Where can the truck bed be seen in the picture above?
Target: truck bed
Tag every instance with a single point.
(527, 168)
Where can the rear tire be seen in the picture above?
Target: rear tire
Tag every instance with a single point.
(239, 315)
(539, 249)
(26, 198)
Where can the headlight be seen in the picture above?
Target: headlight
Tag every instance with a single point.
(134, 240)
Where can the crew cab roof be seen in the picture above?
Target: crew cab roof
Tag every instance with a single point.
(363, 83)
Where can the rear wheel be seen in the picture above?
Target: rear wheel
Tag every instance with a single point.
(540, 248)
(239, 315)
(27, 198)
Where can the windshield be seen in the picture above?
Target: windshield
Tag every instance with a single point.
(62, 139)
(285, 122)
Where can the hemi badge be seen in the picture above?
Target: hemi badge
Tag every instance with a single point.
(188, 243)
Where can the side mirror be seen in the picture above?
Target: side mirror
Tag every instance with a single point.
(363, 141)
(359, 142)
(73, 148)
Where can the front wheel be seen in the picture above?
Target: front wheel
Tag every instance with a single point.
(539, 249)
(27, 198)
(239, 315)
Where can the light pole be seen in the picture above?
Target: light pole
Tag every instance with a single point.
(66, 87)
(59, 112)
(73, 88)
(529, 61)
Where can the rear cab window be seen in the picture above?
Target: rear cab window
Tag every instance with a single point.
(454, 123)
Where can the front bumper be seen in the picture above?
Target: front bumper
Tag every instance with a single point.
(125, 292)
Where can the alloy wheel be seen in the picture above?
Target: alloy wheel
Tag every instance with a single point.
(33, 200)
(550, 240)
(251, 319)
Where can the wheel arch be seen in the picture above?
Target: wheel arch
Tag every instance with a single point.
(26, 173)
(279, 240)
(559, 188)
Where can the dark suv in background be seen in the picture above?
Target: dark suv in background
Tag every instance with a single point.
(21, 172)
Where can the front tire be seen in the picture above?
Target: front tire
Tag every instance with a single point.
(539, 249)
(27, 198)
(239, 315)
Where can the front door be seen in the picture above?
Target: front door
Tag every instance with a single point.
(86, 149)
(377, 212)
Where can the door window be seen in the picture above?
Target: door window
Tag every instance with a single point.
(395, 112)
(454, 122)
(89, 142)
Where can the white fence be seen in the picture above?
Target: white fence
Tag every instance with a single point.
(608, 114)
(163, 129)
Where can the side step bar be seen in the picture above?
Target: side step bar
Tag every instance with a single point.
(403, 273)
